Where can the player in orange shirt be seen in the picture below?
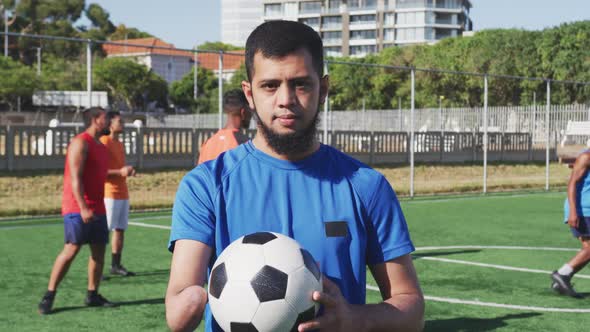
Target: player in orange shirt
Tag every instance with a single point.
(235, 106)
(116, 195)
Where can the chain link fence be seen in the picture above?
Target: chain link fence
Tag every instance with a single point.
(409, 122)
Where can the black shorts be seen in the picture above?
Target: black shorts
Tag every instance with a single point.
(77, 232)
(583, 228)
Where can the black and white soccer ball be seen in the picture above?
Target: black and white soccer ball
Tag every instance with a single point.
(263, 282)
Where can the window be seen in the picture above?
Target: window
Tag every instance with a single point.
(362, 50)
(363, 34)
(389, 34)
(333, 51)
(332, 35)
(412, 18)
(362, 19)
(334, 4)
(310, 7)
(312, 21)
(389, 19)
(273, 9)
(354, 3)
(331, 22)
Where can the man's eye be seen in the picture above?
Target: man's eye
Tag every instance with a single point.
(269, 86)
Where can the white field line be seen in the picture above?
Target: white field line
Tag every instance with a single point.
(495, 266)
(404, 200)
(492, 304)
(496, 247)
(59, 223)
(436, 298)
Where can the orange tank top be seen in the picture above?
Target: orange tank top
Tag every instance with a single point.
(115, 186)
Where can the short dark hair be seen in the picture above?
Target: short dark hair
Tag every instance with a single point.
(90, 114)
(276, 39)
(112, 114)
(233, 101)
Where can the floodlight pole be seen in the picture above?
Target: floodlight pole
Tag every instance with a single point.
(413, 91)
(220, 84)
(547, 127)
(39, 61)
(195, 75)
(5, 32)
(89, 71)
(485, 134)
(326, 110)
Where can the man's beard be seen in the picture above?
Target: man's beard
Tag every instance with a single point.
(298, 142)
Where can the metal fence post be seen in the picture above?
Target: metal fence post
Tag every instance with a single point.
(89, 71)
(548, 135)
(372, 149)
(326, 110)
(194, 145)
(485, 133)
(412, 115)
(220, 88)
(10, 148)
(139, 147)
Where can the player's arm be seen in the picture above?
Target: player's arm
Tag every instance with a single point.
(186, 297)
(124, 171)
(581, 166)
(77, 154)
(402, 308)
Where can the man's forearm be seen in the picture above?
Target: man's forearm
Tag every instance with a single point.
(78, 192)
(404, 312)
(184, 310)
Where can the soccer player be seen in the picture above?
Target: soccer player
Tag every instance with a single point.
(577, 216)
(285, 181)
(235, 106)
(116, 195)
(83, 209)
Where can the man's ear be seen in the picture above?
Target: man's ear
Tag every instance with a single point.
(324, 88)
(247, 88)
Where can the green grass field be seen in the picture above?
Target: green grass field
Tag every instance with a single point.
(498, 233)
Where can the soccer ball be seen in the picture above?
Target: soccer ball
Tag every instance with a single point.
(263, 282)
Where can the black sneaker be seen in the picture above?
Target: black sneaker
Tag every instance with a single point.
(98, 300)
(562, 285)
(122, 271)
(46, 304)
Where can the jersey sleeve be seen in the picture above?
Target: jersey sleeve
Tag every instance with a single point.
(388, 236)
(193, 215)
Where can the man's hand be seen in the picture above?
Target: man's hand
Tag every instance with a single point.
(338, 315)
(127, 171)
(87, 215)
(573, 220)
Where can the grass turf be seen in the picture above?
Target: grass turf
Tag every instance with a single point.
(29, 247)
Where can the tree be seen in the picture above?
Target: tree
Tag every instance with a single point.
(17, 81)
(130, 82)
(218, 46)
(123, 32)
(182, 92)
(99, 18)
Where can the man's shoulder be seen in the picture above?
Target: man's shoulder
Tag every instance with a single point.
(225, 163)
(352, 168)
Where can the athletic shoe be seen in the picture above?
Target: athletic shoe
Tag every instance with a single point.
(98, 300)
(46, 304)
(122, 271)
(562, 284)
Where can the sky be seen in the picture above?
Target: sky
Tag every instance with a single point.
(186, 23)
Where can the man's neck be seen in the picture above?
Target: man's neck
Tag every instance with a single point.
(261, 144)
(114, 136)
(94, 132)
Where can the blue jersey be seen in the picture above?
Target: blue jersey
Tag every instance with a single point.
(582, 197)
(342, 211)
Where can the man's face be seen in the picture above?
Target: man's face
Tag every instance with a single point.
(285, 93)
(102, 123)
(117, 125)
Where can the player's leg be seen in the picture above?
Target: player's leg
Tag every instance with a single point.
(98, 242)
(562, 277)
(119, 226)
(74, 237)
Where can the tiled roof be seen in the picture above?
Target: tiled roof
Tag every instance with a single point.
(146, 46)
(143, 45)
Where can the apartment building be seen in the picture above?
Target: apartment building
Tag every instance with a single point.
(238, 19)
(360, 27)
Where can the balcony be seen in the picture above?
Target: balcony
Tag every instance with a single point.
(332, 26)
(332, 41)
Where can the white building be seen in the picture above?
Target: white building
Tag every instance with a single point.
(360, 27)
(238, 19)
(170, 63)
